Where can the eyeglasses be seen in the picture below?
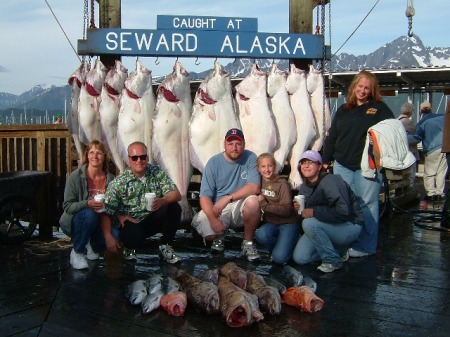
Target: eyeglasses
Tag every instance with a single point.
(142, 157)
(96, 153)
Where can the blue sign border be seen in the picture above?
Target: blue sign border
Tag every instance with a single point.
(202, 43)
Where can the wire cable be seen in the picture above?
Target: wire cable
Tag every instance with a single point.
(73, 48)
(357, 27)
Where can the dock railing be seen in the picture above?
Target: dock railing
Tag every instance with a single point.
(40, 147)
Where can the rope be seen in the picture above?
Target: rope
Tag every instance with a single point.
(422, 218)
(44, 248)
(62, 29)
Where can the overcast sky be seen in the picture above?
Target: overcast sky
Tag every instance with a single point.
(35, 51)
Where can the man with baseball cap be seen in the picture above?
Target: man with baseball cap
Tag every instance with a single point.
(429, 131)
(228, 198)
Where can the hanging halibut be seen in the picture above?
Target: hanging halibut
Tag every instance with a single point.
(89, 104)
(171, 131)
(320, 106)
(137, 107)
(77, 79)
(304, 118)
(213, 114)
(255, 116)
(282, 113)
(109, 110)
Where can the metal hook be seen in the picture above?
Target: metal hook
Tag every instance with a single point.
(235, 61)
(156, 61)
(197, 62)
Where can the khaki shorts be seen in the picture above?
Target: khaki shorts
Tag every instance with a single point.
(231, 217)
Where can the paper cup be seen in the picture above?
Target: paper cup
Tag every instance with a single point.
(301, 201)
(149, 197)
(99, 198)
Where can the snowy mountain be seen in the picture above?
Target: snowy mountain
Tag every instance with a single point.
(403, 52)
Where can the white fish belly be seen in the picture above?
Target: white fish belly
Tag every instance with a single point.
(109, 117)
(257, 125)
(306, 131)
(130, 126)
(286, 127)
(171, 146)
(89, 117)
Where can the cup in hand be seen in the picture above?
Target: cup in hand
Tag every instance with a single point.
(150, 197)
(301, 202)
(99, 198)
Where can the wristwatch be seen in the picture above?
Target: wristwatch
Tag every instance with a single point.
(230, 197)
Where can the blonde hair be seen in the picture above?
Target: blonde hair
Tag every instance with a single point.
(100, 146)
(266, 155)
(374, 89)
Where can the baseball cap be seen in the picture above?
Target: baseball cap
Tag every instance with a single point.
(235, 133)
(425, 105)
(311, 155)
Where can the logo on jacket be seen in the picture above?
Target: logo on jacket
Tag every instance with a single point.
(371, 111)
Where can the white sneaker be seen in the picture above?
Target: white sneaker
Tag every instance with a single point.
(78, 261)
(249, 250)
(129, 254)
(217, 246)
(166, 252)
(91, 255)
(356, 253)
(327, 267)
(345, 256)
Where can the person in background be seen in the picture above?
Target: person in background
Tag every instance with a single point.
(445, 220)
(125, 202)
(280, 230)
(82, 217)
(345, 144)
(332, 217)
(446, 134)
(228, 196)
(429, 131)
(410, 127)
(58, 119)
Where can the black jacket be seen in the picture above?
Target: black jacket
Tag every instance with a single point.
(332, 200)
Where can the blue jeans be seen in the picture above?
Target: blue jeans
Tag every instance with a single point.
(324, 241)
(85, 228)
(367, 191)
(278, 239)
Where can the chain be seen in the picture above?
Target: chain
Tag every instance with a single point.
(329, 39)
(324, 49)
(317, 21)
(324, 55)
(85, 17)
(92, 25)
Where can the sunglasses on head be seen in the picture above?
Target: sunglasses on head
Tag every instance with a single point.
(141, 157)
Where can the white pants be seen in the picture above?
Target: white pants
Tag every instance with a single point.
(435, 169)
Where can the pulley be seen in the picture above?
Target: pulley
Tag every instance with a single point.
(410, 11)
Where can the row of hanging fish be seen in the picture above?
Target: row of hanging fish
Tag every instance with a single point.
(242, 297)
(279, 112)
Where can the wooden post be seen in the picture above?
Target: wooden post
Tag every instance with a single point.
(301, 21)
(110, 17)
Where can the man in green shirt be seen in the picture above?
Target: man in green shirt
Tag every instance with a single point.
(125, 201)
